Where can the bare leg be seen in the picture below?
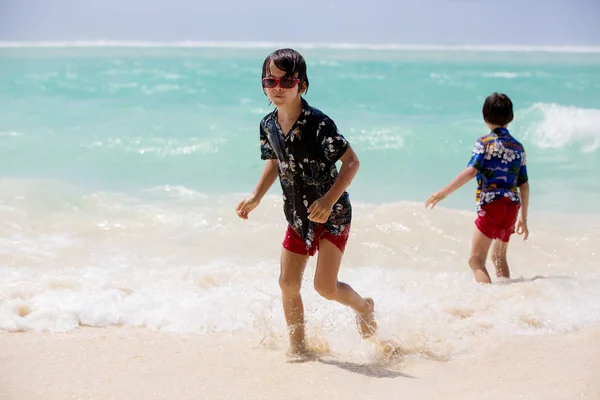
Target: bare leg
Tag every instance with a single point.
(290, 282)
(499, 259)
(479, 251)
(328, 286)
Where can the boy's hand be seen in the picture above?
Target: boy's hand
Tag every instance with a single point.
(522, 228)
(245, 206)
(320, 210)
(435, 198)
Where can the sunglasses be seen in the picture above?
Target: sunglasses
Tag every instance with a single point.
(284, 83)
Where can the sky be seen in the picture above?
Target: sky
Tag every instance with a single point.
(419, 22)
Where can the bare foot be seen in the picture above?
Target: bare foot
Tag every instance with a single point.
(367, 326)
(301, 352)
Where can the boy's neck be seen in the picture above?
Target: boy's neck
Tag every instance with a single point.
(290, 112)
(493, 127)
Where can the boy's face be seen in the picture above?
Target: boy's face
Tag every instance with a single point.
(281, 96)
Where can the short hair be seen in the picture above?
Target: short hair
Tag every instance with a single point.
(288, 60)
(498, 109)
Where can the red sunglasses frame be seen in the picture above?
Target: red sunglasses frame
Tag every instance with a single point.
(278, 82)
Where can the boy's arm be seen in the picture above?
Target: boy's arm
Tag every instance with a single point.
(266, 180)
(320, 209)
(475, 164)
(350, 165)
(522, 223)
(523, 184)
(524, 190)
(465, 176)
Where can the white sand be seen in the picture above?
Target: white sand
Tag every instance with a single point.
(124, 363)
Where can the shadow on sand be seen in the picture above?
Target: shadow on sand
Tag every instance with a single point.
(372, 370)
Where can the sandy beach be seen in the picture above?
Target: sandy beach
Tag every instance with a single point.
(126, 363)
(91, 325)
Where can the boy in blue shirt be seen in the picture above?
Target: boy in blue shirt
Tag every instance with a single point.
(498, 161)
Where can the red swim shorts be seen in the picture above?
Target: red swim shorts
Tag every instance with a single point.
(497, 219)
(294, 242)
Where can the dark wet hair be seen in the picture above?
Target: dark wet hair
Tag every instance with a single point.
(287, 60)
(498, 109)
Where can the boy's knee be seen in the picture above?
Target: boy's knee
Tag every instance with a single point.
(289, 286)
(476, 262)
(327, 290)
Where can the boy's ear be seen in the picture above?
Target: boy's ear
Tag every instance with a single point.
(303, 88)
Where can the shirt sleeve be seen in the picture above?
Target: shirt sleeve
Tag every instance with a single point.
(266, 151)
(478, 155)
(523, 178)
(334, 144)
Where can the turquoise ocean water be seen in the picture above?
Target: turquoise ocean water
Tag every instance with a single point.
(131, 118)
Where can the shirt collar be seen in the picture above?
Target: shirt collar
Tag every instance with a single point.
(305, 107)
(501, 131)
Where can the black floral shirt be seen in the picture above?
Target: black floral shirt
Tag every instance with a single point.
(306, 160)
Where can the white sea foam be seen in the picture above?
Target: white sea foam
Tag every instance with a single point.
(182, 261)
(301, 45)
(506, 74)
(158, 146)
(558, 126)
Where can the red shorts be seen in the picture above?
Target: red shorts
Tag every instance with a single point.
(294, 242)
(497, 219)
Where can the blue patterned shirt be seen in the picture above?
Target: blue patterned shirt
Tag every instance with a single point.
(500, 161)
